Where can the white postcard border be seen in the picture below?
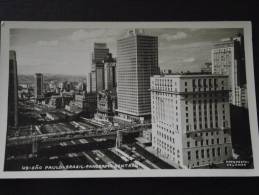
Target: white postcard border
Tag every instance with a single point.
(4, 70)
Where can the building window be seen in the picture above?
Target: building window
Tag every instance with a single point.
(212, 141)
(188, 144)
(202, 153)
(217, 140)
(208, 153)
(189, 155)
(197, 154)
(218, 151)
(213, 152)
(226, 151)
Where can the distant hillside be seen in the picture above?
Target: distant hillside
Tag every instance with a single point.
(25, 79)
(29, 79)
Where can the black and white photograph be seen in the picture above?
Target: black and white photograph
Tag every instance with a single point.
(111, 97)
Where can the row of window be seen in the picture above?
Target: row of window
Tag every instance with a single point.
(167, 147)
(208, 152)
(166, 137)
(206, 142)
(212, 133)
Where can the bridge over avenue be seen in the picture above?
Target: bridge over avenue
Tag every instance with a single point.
(62, 136)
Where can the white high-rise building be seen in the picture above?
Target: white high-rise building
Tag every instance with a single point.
(228, 58)
(191, 119)
(137, 61)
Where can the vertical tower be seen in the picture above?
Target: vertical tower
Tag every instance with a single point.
(38, 85)
(100, 52)
(109, 72)
(137, 61)
(228, 58)
(13, 91)
(89, 83)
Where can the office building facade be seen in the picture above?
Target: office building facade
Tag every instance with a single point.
(106, 105)
(228, 58)
(89, 83)
(109, 72)
(99, 53)
(107, 98)
(39, 86)
(137, 61)
(191, 119)
(13, 91)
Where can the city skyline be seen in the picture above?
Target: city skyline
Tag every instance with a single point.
(60, 51)
(154, 99)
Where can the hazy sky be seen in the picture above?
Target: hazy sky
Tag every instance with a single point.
(68, 51)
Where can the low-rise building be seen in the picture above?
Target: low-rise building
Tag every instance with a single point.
(58, 101)
(106, 104)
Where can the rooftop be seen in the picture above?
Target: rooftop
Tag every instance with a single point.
(189, 74)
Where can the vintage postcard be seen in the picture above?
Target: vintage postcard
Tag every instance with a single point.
(124, 99)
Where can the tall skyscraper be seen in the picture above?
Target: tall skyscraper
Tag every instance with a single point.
(137, 61)
(107, 98)
(89, 83)
(100, 52)
(13, 91)
(39, 87)
(191, 119)
(228, 58)
(109, 72)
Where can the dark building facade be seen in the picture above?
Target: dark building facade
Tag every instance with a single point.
(106, 104)
(107, 98)
(109, 72)
(39, 86)
(13, 91)
(100, 52)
